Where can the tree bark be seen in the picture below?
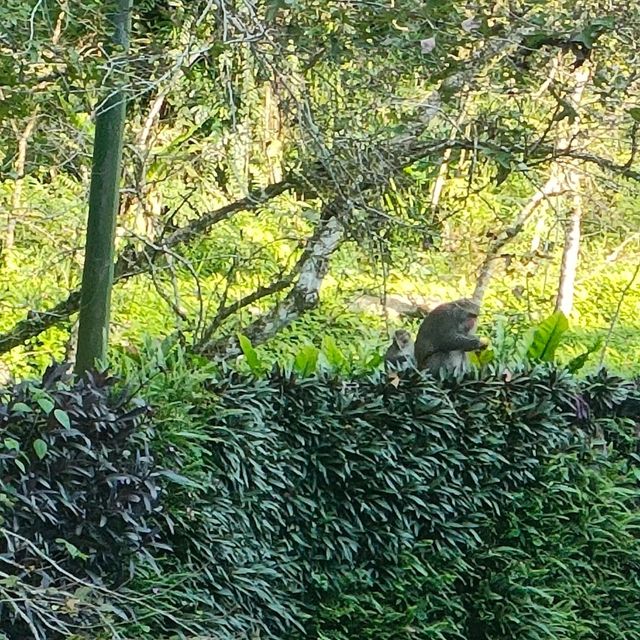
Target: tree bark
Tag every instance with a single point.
(570, 253)
(572, 232)
(20, 164)
(304, 295)
(97, 276)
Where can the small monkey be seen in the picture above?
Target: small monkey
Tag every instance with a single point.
(400, 354)
(445, 336)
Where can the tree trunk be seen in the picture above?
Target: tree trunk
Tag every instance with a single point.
(568, 270)
(97, 276)
(561, 179)
(571, 249)
(272, 128)
(16, 200)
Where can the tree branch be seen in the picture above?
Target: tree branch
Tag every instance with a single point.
(311, 269)
(132, 262)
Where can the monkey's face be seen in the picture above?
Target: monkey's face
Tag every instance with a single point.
(469, 323)
(467, 313)
(402, 338)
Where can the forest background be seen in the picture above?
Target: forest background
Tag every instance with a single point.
(283, 159)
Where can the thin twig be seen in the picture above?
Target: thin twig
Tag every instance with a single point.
(616, 315)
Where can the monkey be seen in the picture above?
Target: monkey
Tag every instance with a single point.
(400, 354)
(445, 337)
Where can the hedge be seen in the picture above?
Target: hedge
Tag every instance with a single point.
(341, 509)
(336, 508)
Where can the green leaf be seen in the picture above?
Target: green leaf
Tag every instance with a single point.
(11, 444)
(250, 354)
(172, 476)
(63, 418)
(580, 360)
(21, 407)
(374, 361)
(72, 550)
(546, 337)
(40, 447)
(46, 405)
(335, 358)
(634, 112)
(307, 360)
(482, 358)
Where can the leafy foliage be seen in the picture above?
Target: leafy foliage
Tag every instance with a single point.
(321, 507)
(546, 337)
(79, 495)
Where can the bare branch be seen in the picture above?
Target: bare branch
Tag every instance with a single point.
(551, 188)
(132, 262)
(616, 315)
(305, 294)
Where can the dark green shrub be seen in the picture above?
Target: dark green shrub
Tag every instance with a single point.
(79, 495)
(316, 502)
(334, 509)
(564, 561)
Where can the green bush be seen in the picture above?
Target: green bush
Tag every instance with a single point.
(321, 507)
(563, 562)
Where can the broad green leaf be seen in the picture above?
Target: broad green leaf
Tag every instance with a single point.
(250, 354)
(580, 360)
(72, 550)
(21, 407)
(11, 444)
(332, 353)
(63, 418)
(307, 360)
(482, 358)
(546, 337)
(374, 361)
(46, 405)
(40, 447)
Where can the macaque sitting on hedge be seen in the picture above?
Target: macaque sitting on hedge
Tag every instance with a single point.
(445, 337)
(400, 355)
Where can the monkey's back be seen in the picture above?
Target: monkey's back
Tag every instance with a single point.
(428, 333)
(443, 340)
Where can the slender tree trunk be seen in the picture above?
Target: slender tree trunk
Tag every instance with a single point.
(23, 141)
(149, 204)
(561, 179)
(20, 164)
(97, 276)
(572, 233)
(568, 270)
(272, 128)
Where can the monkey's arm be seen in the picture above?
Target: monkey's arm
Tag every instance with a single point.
(461, 342)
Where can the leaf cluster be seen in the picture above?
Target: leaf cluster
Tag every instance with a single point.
(79, 494)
